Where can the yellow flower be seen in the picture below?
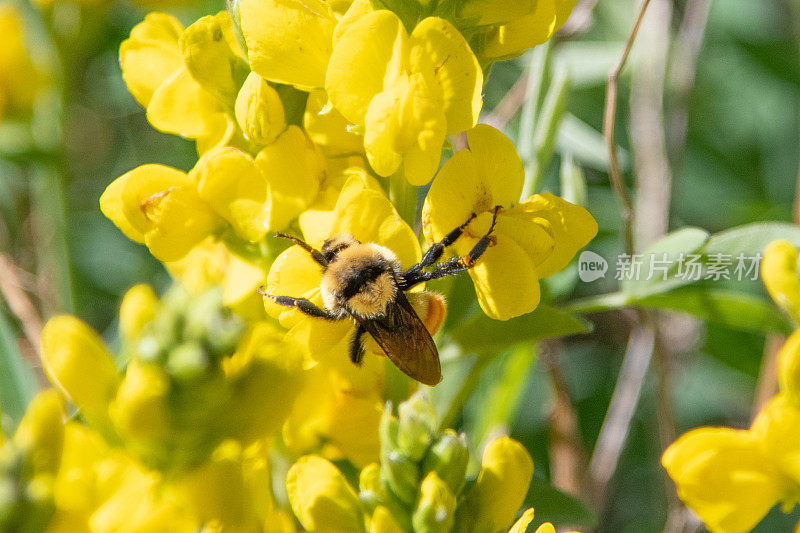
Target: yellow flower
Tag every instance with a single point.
(259, 111)
(534, 238)
(516, 26)
(78, 364)
(159, 206)
(19, 79)
(138, 307)
(321, 497)
(328, 128)
(501, 487)
(101, 490)
(406, 91)
(779, 271)
(732, 478)
(186, 79)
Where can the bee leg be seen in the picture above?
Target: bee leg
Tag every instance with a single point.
(316, 255)
(301, 304)
(436, 249)
(357, 346)
(454, 265)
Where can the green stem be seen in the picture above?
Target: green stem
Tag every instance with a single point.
(465, 390)
(404, 196)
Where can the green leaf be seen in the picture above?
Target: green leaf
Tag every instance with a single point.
(587, 144)
(751, 239)
(499, 404)
(734, 309)
(482, 333)
(668, 249)
(560, 508)
(17, 381)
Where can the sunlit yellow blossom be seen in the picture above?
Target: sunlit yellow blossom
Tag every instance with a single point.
(329, 129)
(534, 238)
(78, 364)
(779, 271)
(19, 79)
(406, 91)
(185, 78)
(159, 206)
(732, 478)
(321, 497)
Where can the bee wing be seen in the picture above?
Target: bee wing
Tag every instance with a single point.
(406, 341)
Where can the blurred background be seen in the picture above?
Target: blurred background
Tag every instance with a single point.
(707, 124)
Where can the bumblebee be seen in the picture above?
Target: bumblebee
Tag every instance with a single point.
(366, 283)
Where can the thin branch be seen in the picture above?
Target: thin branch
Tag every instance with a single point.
(609, 130)
(579, 21)
(11, 288)
(510, 104)
(615, 428)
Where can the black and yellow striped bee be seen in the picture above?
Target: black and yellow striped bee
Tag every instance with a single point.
(366, 283)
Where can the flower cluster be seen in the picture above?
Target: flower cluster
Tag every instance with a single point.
(419, 483)
(732, 477)
(313, 119)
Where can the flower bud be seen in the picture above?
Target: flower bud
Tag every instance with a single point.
(401, 475)
(188, 361)
(382, 521)
(388, 429)
(77, 363)
(41, 431)
(417, 426)
(449, 458)
(436, 508)
(259, 110)
(137, 309)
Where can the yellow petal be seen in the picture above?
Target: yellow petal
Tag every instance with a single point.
(137, 309)
(293, 168)
(384, 137)
(356, 10)
(220, 131)
(293, 273)
(435, 44)
(777, 428)
(78, 364)
(113, 207)
(181, 221)
(209, 57)
(367, 57)
(779, 271)
(328, 129)
(497, 163)
(521, 525)
(382, 521)
(241, 281)
(289, 41)
(506, 472)
(505, 280)
(259, 110)
(321, 497)
(181, 106)
(140, 409)
(563, 11)
(150, 55)
(228, 180)
(522, 33)
(723, 476)
(571, 226)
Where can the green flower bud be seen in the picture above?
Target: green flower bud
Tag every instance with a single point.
(436, 508)
(417, 426)
(388, 429)
(401, 475)
(449, 458)
(187, 362)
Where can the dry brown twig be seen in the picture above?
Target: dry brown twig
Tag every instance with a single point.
(11, 288)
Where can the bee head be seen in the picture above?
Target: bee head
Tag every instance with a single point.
(337, 243)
